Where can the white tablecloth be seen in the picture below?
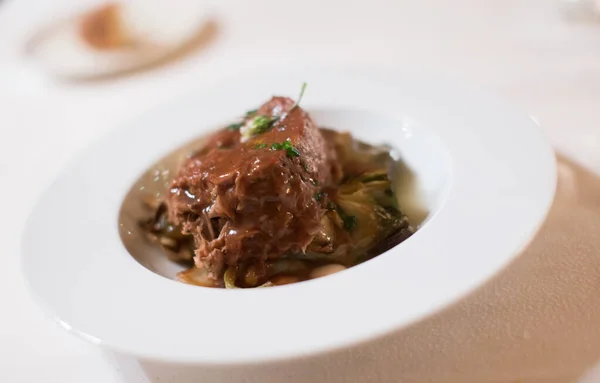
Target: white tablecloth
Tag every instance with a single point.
(520, 48)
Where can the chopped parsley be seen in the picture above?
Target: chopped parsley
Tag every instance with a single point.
(286, 145)
(259, 125)
(262, 124)
(318, 196)
(238, 125)
(292, 152)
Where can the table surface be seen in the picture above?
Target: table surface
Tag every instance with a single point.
(522, 49)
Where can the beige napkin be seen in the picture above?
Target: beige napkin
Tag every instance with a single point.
(537, 321)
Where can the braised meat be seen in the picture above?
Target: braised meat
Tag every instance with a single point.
(248, 196)
(272, 199)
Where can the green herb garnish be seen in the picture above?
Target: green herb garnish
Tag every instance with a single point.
(299, 97)
(292, 152)
(260, 125)
(286, 145)
(235, 126)
(260, 146)
(318, 196)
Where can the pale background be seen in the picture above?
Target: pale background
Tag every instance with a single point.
(520, 48)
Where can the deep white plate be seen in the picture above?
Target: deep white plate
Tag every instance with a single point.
(484, 171)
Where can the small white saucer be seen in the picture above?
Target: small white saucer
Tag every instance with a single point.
(161, 30)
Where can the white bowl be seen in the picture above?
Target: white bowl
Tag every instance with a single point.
(485, 173)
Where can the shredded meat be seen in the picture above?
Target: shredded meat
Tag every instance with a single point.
(244, 201)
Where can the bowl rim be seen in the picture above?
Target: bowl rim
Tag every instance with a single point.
(514, 176)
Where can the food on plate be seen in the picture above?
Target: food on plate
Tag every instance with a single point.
(103, 28)
(119, 37)
(273, 199)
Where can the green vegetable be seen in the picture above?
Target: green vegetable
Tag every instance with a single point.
(251, 112)
(260, 146)
(318, 196)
